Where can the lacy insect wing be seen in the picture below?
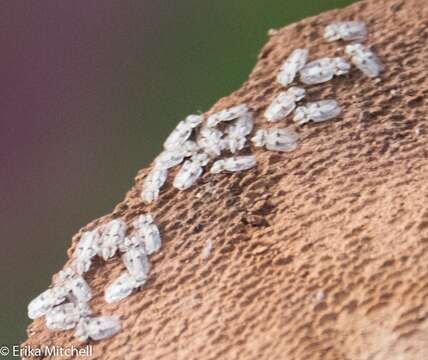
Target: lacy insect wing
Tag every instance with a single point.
(79, 288)
(301, 115)
(217, 167)
(281, 140)
(341, 66)
(130, 241)
(153, 183)
(365, 60)
(182, 132)
(62, 317)
(178, 136)
(169, 158)
(236, 133)
(234, 143)
(280, 107)
(103, 327)
(296, 92)
(210, 140)
(317, 72)
(235, 163)
(44, 302)
(239, 163)
(137, 263)
(64, 275)
(243, 125)
(189, 148)
(317, 111)
(194, 121)
(151, 238)
(259, 138)
(76, 286)
(120, 289)
(113, 234)
(187, 175)
(156, 178)
(97, 328)
(290, 67)
(81, 331)
(228, 114)
(284, 104)
(346, 30)
(115, 229)
(82, 265)
(324, 110)
(86, 249)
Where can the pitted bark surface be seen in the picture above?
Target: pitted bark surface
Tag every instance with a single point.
(320, 253)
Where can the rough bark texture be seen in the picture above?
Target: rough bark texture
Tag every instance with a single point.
(320, 253)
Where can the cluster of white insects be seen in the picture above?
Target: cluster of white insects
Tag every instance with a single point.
(195, 143)
(66, 305)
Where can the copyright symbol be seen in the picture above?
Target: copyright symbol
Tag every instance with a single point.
(4, 351)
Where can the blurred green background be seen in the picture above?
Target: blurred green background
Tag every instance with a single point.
(89, 91)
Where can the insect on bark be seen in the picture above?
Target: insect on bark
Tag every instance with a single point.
(210, 140)
(97, 328)
(65, 316)
(237, 133)
(228, 114)
(153, 183)
(75, 284)
(190, 172)
(86, 249)
(365, 60)
(317, 111)
(121, 288)
(235, 163)
(290, 67)
(44, 302)
(137, 263)
(113, 234)
(346, 30)
(148, 232)
(276, 139)
(322, 70)
(284, 104)
(182, 132)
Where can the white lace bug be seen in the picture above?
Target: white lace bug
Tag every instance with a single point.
(290, 67)
(228, 114)
(346, 30)
(113, 233)
(86, 249)
(233, 164)
(77, 287)
(284, 103)
(137, 263)
(190, 171)
(365, 60)
(121, 288)
(210, 140)
(153, 183)
(237, 133)
(97, 328)
(149, 233)
(276, 139)
(44, 302)
(182, 132)
(66, 316)
(317, 111)
(322, 70)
